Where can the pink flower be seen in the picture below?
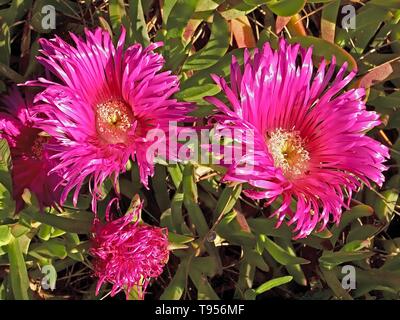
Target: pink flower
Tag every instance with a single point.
(31, 162)
(107, 100)
(309, 139)
(128, 254)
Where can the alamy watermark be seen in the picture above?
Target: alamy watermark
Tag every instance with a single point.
(349, 278)
(205, 146)
(49, 17)
(50, 277)
(349, 18)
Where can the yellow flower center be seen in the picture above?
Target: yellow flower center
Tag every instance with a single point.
(113, 120)
(37, 146)
(288, 151)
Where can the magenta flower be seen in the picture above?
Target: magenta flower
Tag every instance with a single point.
(309, 139)
(128, 254)
(105, 104)
(31, 162)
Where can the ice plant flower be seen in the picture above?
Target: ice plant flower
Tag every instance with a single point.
(128, 254)
(31, 163)
(102, 108)
(310, 149)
